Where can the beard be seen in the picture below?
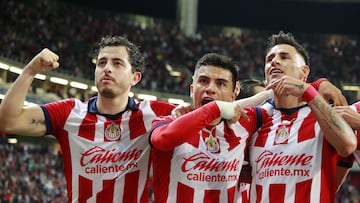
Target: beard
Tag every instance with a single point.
(107, 93)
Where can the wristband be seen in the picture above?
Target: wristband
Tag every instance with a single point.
(309, 94)
(316, 84)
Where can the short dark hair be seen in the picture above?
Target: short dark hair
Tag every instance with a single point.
(287, 38)
(247, 87)
(215, 59)
(136, 59)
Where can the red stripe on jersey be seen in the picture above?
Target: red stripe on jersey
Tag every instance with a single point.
(161, 166)
(328, 171)
(245, 196)
(136, 128)
(87, 127)
(263, 136)
(85, 189)
(230, 137)
(231, 192)
(259, 190)
(277, 193)
(304, 189)
(309, 133)
(107, 194)
(185, 193)
(131, 184)
(211, 196)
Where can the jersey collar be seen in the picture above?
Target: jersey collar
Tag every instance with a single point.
(131, 105)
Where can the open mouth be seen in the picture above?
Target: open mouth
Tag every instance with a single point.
(206, 100)
(276, 71)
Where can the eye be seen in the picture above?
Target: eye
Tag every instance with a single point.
(202, 81)
(269, 58)
(222, 84)
(101, 63)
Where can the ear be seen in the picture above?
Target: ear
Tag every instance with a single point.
(136, 78)
(305, 71)
(236, 90)
(191, 90)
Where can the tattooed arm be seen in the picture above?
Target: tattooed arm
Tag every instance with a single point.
(337, 132)
(14, 117)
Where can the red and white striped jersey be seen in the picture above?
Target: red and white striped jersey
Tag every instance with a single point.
(291, 160)
(356, 107)
(106, 157)
(206, 169)
(244, 192)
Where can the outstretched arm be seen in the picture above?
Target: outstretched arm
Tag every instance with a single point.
(14, 117)
(167, 134)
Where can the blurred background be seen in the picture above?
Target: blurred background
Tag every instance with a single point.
(172, 34)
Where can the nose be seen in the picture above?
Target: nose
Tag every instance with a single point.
(108, 67)
(275, 60)
(210, 88)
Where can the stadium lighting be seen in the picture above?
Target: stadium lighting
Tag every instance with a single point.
(4, 66)
(60, 81)
(94, 89)
(175, 101)
(12, 140)
(147, 97)
(15, 70)
(78, 85)
(40, 76)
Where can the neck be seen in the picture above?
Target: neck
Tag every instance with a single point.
(287, 102)
(111, 106)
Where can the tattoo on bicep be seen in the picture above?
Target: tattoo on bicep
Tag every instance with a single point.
(37, 122)
(300, 86)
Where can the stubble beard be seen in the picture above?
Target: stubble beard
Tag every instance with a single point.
(107, 93)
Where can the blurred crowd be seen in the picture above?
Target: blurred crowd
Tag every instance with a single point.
(71, 31)
(30, 173)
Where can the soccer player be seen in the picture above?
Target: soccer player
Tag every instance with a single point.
(198, 156)
(294, 154)
(104, 140)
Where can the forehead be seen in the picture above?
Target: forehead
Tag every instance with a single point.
(119, 52)
(213, 72)
(282, 48)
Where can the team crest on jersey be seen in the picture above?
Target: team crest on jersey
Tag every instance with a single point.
(282, 133)
(112, 132)
(212, 144)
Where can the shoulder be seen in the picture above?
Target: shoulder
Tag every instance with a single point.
(160, 108)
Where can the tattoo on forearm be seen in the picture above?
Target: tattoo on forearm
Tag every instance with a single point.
(37, 122)
(333, 120)
(300, 86)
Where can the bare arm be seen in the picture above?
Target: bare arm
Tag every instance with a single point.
(14, 117)
(337, 132)
(256, 99)
(350, 115)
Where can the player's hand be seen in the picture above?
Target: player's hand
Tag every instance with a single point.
(44, 61)
(181, 109)
(231, 111)
(350, 116)
(287, 85)
(330, 92)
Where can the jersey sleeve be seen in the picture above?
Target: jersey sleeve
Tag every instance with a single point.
(56, 114)
(167, 133)
(161, 108)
